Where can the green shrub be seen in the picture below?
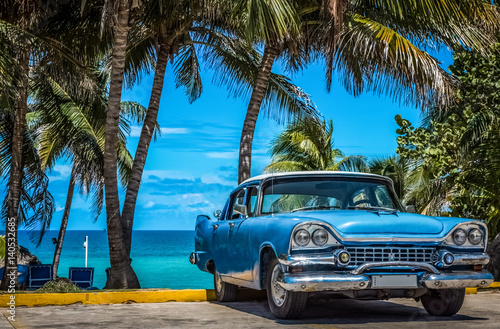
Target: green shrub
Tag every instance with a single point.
(59, 286)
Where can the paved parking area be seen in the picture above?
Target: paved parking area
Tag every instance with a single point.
(479, 311)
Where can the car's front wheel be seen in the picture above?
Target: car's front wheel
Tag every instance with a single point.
(445, 302)
(224, 292)
(283, 304)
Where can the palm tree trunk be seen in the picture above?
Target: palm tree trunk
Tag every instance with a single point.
(16, 169)
(121, 274)
(258, 93)
(144, 142)
(64, 223)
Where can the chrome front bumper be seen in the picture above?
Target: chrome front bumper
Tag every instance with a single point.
(428, 276)
(318, 281)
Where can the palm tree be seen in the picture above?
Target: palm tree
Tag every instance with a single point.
(368, 44)
(73, 127)
(26, 45)
(36, 204)
(278, 28)
(307, 144)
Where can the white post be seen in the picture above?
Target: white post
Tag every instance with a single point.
(86, 246)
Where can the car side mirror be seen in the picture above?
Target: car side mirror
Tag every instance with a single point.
(411, 209)
(240, 209)
(217, 213)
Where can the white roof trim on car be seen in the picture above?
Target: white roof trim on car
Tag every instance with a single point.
(308, 173)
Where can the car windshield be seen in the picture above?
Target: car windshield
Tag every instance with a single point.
(327, 193)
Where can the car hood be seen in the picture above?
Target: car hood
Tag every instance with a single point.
(361, 222)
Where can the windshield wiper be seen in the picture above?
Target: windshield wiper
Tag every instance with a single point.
(376, 210)
(316, 208)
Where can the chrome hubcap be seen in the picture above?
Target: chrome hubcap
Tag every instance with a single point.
(278, 293)
(218, 282)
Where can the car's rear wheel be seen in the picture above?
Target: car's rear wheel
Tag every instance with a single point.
(283, 304)
(224, 292)
(445, 302)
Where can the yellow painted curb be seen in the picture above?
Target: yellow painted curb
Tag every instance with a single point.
(110, 297)
(495, 285)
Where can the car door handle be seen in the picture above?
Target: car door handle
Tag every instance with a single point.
(216, 226)
(231, 225)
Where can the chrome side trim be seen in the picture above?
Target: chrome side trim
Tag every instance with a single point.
(305, 260)
(424, 266)
(457, 280)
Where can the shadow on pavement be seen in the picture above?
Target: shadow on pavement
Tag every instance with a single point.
(349, 311)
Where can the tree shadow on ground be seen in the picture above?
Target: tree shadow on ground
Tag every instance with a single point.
(350, 311)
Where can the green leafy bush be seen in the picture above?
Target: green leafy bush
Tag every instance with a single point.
(59, 286)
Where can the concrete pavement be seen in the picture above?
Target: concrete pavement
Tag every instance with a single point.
(481, 310)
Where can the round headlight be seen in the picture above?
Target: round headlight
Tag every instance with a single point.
(475, 236)
(459, 237)
(302, 238)
(320, 237)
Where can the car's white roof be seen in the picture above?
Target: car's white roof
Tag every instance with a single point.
(311, 173)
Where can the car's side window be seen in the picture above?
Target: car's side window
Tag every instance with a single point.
(253, 192)
(238, 201)
(224, 214)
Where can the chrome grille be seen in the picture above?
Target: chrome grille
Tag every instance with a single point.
(360, 256)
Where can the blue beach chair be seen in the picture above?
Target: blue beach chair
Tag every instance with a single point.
(38, 275)
(22, 271)
(83, 277)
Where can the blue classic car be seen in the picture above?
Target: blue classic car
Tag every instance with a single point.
(337, 233)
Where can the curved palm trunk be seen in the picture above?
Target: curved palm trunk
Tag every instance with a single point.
(64, 223)
(144, 142)
(258, 93)
(121, 274)
(16, 170)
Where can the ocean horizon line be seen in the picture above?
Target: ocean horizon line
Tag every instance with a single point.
(101, 230)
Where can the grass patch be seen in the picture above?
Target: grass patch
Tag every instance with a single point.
(59, 286)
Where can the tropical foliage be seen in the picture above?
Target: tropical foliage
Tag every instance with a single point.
(459, 147)
(307, 144)
(377, 46)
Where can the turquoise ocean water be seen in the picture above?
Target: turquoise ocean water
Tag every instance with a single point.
(159, 258)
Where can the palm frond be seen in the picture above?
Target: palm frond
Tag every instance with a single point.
(373, 57)
(187, 73)
(235, 66)
(355, 163)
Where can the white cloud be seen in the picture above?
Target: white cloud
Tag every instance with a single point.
(174, 130)
(136, 131)
(149, 204)
(59, 208)
(60, 172)
(215, 179)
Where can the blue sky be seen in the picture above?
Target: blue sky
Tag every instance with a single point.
(192, 167)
